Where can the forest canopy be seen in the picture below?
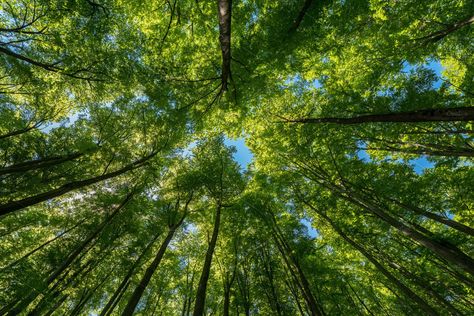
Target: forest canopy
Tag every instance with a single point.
(120, 193)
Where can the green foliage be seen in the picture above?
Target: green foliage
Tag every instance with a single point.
(113, 129)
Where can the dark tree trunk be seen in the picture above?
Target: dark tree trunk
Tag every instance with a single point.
(126, 280)
(424, 115)
(40, 247)
(38, 164)
(224, 11)
(301, 14)
(201, 291)
(68, 187)
(24, 302)
(405, 290)
(138, 292)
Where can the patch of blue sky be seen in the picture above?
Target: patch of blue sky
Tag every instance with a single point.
(419, 165)
(432, 64)
(243, 155)
(312, 232)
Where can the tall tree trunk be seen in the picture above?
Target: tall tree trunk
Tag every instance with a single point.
(138, 292)
(24, 302)
(423, 115)
(40, 247)
(404, 289)
(68, 187)
(126, 279)
(224, 12)
(201, 291)
(38, 164)
(451, 254)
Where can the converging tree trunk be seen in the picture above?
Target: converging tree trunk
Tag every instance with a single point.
(424, 115)
(201, 291)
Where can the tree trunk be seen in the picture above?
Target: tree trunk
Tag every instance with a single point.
(405, 290)
(68, 187)
(423, 115)
(40, 247)
(23, 303)
(138, 292)
(38, 164)
(224, 11)
(201, 291)
(126, 279)
(301, 14)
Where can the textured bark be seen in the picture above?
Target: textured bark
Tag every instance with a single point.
(449, 253)
(18, 132)
(424, 115)
(439, 35)
(201, 292)
(40, 247)
(224, 10)
(68, 187)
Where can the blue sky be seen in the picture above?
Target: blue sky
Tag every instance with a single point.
(243, 155)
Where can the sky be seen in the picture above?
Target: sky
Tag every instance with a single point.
(243, 155)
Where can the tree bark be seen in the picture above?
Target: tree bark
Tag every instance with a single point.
(23, 303)
(201, 292)
(68, 187)
(423, 115)
(138, 292)
(301, 14)
(126, 280)
(224, 10)
(38, 164)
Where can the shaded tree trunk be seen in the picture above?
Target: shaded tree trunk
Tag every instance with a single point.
(404, 289)
(126, 280)
(24, 302)
(68, 187)
(38, 164)
(224, 10)
(201, 291)
(423, 115)
(138, 292)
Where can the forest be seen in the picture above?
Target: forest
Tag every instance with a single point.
(237, 157)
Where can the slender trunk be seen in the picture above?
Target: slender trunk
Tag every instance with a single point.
(57, 305)
(315, 308)
(404, 289)
(201, 291)
(226, 301)
(451, 254)
(18, 131)
(40, 247)
(119, 297)
(38, 164)
(224, 10)
(426, 287)
(126, 279)
(428, 152)
(23, 303)
(439, 35)
(138, 292)
(423, 115)
(360, 300)
(68, 187)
